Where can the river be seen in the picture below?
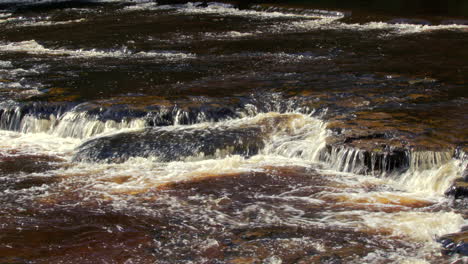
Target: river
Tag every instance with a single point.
(219, 132)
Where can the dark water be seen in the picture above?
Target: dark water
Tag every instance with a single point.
(274, 132)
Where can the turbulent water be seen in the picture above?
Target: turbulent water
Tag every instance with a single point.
(138, 132)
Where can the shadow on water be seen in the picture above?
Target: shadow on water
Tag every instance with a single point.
(455, 8)
(448, 8)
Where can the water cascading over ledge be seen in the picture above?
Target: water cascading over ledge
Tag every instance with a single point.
(87, 120)
(354, 160)
(192, 151)
(418, 170)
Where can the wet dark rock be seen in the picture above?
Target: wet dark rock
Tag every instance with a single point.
(179, 142)
(462, 248)
(365, 137)
(461, 153)
(171, 145)
(380, 140)
(117, 112)
(459, 188)
(368, 143)
(456, 243)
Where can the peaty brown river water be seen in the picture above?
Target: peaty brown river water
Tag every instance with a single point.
(224, 132)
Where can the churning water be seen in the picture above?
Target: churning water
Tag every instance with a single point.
(144, 132)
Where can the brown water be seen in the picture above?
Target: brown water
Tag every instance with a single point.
(286, 133)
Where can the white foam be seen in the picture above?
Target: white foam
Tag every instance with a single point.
(49, 23)
(11, 85)
(5, 64)
(418, 226)
(432, 180)
(291, 139)
(408, 28)
(303, 21)
(333, 23)
(72, 123)
(148, 172)
(305, 140)
(77, 125)
(273, 260)
(230, 10)
(82, 125)
(32, 47)
(142, 6)
(291, 198)
(5, 15)
(280, 57)
(401, 256)
(20, 72)
(347, 159)
(228, 35)
(14, 143)
(296, 140)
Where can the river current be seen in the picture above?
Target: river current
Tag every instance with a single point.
(191, 132)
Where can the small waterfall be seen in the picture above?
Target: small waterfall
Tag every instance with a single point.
(87, 120)
(354, 160)
(10, 119)
(345, 159)
(30, 118)
(432, 171)
(82, 125)
(66, 124)
(76, 125)
(301, 137)
(299, 11)
(422, 171)
(426, 160)
(32, 124)
(292, 135)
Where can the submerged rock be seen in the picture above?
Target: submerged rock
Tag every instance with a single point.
(246, 137)
(170, 145)
(459, 189)
(456, 243)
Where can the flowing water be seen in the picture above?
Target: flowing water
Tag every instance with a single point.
(138, 132)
